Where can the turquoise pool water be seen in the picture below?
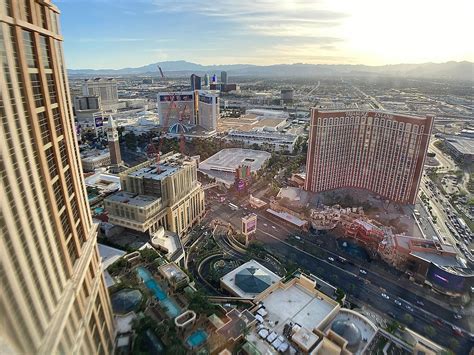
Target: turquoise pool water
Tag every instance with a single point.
(172, 309)
(196, 339)
(98, 210)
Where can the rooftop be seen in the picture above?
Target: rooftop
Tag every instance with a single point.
(465, 145)
(249, 279)
(109, 255)
(132, 199)
(298, 305)
(151, 172)
(94, 155)
(230, 159)
(288, 217)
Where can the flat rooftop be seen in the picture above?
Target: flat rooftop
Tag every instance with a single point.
(223, 164)
(298, 305)
(151, 172)
(230, 159)
(288, 217)
(171, 270)
(463, 145)
(132, 199)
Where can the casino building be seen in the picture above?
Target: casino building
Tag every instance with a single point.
(377, 151)
(191, 109)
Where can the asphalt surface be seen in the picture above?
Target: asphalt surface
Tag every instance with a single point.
(366, 289)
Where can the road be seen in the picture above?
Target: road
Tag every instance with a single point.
(446, 162)
(367, 288)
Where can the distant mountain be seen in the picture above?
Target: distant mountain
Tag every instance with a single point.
(449, 70)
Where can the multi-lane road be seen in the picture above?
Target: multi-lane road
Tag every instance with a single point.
(363, 288)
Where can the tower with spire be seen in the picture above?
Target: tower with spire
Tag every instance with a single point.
(114, 146)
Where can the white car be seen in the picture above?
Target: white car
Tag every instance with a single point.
(274, 227)
(385, 296)
(265, 225)
(330, 258)
(398, 303)
(362, 271)
(297, 237)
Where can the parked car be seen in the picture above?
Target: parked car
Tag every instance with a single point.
(384, 295)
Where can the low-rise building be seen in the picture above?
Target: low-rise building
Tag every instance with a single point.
(93, 159)
(265, 140)
(462, 148)
(155, 195)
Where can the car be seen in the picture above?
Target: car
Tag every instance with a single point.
(420, 303)
(457, 331)
(330, 258)
(457, 316)
(398, 303)
(362, 271)
(265, 225)
(384, 295)
(391, 314)
(297, 237)
(408, 307)
(273, 227)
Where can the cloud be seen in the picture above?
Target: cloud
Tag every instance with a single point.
(283, 18)
(101, 39)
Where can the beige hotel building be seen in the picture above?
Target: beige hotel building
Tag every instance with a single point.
(166, 195)
(53, 298)
(377, 151)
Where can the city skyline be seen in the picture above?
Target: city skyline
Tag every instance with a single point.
(123, 34)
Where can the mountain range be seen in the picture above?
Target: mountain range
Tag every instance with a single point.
(450, 70)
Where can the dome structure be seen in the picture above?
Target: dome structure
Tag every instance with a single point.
(253, 280)
(349, 331)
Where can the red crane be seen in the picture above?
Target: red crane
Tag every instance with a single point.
(152, 151)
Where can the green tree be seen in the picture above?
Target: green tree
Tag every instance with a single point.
(430, 331)
(408, 318)
(148, 255)
(453, 344)
(131, 141)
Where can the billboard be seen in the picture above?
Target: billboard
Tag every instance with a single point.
(99, 121)
(249, 224)
(448, 280)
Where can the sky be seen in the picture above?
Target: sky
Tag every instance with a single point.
(131, 33)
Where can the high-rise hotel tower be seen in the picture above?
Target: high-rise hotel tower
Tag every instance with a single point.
(53, 297)
(377, 151)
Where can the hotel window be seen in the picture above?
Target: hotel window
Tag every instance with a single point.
(37, 92)
(29, 49)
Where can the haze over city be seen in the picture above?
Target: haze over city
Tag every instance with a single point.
(134, 33)
(286, 177)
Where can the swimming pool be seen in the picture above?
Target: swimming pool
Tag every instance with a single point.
(196, 339)
(171, 308)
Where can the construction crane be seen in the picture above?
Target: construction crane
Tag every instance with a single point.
(152, 151)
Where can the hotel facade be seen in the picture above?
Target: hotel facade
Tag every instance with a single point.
(377, 151)
(53, 298)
